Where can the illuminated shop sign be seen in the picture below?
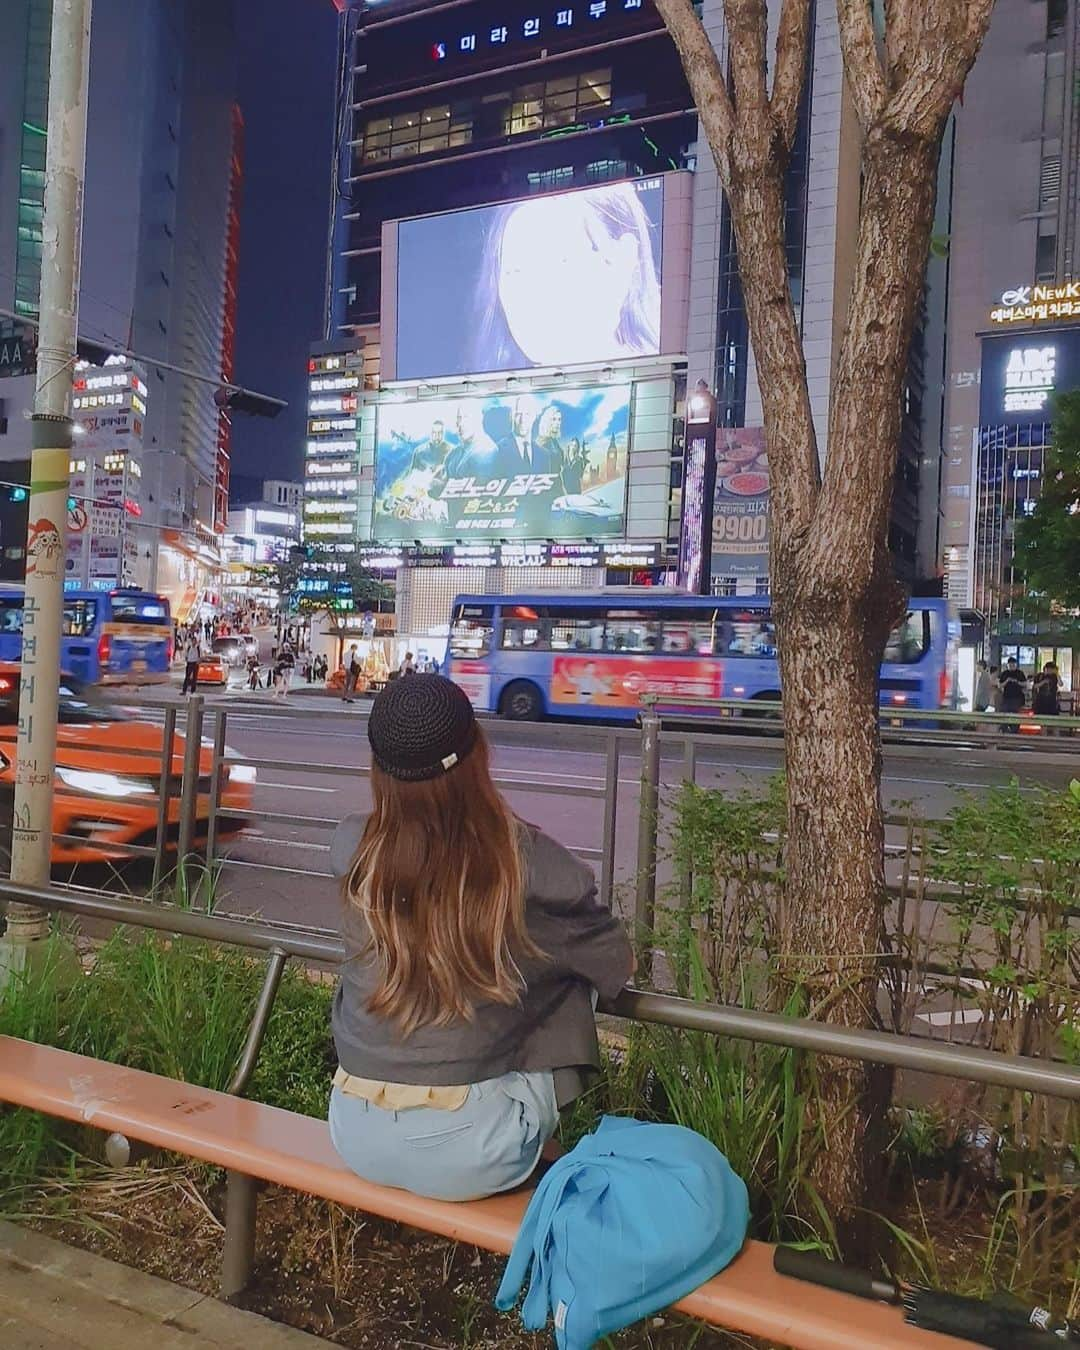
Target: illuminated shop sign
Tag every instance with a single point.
(1037, 304)
(552, 22)
(1029, 378)
(1020, 375)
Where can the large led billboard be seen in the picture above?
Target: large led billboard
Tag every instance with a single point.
(564, 279)
(538, 465)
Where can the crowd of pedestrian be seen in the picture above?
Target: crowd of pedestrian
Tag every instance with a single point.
(1005, 690)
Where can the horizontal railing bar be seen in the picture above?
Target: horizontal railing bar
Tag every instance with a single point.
(1021, 1073)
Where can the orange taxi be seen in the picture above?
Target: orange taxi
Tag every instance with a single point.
(108, 776)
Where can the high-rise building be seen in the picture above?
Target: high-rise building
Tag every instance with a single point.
(457, 123)
(1013, 334)
(163, 174)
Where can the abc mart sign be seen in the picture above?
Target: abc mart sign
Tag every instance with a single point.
(1037, 304)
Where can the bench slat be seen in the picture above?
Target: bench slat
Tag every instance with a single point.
(295, 1151)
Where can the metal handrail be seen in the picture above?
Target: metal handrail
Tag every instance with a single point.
(1017, 1072)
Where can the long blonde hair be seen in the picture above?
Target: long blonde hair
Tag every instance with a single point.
(440, 880)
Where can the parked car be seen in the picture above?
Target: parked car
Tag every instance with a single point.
(108, 777)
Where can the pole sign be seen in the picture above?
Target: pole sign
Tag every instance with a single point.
(699, 489)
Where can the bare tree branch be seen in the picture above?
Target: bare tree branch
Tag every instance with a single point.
(792, 41)
(747, 23)
(865, 78)
(705, 76)
(942, 38)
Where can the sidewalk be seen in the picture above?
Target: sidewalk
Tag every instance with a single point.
(54, 1297)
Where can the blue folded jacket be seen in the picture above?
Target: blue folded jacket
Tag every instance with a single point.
(632, 1220)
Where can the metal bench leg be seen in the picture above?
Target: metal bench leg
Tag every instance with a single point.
(238, 1258)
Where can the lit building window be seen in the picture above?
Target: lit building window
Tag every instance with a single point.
(558, 103)
(548, 180)
(419, 132)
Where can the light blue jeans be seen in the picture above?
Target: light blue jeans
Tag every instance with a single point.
(491, 1144)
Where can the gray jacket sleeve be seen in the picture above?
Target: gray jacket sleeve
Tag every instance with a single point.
(344, 843)
(569, 924)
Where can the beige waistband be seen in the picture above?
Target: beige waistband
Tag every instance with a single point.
(400, 1096)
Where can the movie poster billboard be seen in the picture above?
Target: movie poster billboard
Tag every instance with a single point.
(740, 512)
(536, 465)
(561, 279)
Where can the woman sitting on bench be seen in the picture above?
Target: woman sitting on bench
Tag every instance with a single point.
(473, 944)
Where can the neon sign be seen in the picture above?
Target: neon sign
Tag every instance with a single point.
(554, 22)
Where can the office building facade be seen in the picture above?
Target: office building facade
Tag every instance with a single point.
(1013, 315)
(160, 234)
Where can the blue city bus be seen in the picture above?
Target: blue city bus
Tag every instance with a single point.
(123, 636)
(592, 655)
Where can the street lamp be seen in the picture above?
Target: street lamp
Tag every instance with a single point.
(699, 489)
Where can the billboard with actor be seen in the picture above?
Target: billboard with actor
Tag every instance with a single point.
(537, 465)
(741, 505)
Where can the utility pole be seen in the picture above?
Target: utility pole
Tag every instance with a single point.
(65, 162)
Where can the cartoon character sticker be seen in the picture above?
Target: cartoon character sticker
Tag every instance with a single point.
(44, 549)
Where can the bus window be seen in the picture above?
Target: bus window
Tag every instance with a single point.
(522, 629)
(688, 636)
(748, 633)
(471, 631)
(11, 614)
(80, 617)
(138, 608)
(576, 631)
(909, 640)
(628, 632)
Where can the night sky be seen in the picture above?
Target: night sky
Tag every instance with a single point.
(287, 75)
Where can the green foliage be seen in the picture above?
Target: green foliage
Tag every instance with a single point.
(367, 589)
(1048, 541)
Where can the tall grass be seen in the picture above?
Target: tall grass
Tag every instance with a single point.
(180, 1008)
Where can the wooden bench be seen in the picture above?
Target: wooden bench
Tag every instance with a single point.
(294, 1151)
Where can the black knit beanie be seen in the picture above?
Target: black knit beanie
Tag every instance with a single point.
(420, 727)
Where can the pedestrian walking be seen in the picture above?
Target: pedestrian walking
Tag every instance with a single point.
(408, 666)
(192, 657)
(283, 673)
(473, 945)
(982, 687)
(1013, 686)
(352, 675)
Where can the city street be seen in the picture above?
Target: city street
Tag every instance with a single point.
(278, 867)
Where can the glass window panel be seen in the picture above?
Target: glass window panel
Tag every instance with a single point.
(632, 633)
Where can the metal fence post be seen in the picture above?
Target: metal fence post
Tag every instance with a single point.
(686, 880)
(611, 816)
(217, 772)
(165, 793)
(648, 811)
(189, 789)
(241, 1192)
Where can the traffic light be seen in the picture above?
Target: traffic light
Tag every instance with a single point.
(18, 494)
(72, 503)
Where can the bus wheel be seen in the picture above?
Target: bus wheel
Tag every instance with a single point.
(521, 702)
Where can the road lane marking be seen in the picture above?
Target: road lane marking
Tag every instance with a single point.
(294, 787)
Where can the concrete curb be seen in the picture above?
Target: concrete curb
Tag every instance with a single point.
(56, 1297)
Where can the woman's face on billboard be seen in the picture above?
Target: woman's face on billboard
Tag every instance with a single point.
(563, 282)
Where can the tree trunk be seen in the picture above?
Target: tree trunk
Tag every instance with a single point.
(834, 592)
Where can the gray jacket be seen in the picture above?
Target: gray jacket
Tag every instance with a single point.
(552, 1026)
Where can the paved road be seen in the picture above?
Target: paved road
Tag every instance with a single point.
(310, 753)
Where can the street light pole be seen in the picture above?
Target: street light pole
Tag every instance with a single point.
(50, 463)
